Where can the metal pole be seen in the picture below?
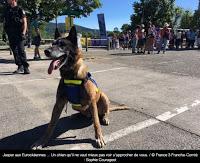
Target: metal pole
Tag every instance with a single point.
(108, 44)
(86, 42)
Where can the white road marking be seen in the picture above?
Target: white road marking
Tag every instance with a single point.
(167, 115)
(178, 73)
(33, 80)
(196, 102)
(113, 69)
(139, 126)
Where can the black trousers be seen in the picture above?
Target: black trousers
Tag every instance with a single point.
(17, 45)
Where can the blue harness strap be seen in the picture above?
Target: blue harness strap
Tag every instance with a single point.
(73, 89)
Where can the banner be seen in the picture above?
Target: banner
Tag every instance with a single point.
(102, 26)
(69, 22)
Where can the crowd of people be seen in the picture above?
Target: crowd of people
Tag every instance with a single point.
(150, 38)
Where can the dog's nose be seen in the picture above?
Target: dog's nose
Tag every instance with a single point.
(47, 52)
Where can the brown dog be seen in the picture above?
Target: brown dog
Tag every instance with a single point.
(75, 81)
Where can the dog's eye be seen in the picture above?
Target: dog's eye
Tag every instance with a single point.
(61, 43)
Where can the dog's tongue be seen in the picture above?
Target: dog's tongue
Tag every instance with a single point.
(53, 65)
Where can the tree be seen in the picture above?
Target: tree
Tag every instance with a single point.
(126, 27)
(187, 19)
(156, 11)
(178, 13)
(79, 8)
(40, 11)
(196, 19)
(47, 10)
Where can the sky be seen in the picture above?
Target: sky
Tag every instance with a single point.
(117, 13)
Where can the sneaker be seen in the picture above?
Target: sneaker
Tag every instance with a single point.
(19, 70)
(26, 70)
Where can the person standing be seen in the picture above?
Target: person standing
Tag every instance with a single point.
(15, 26)
(36, 41)
(150, 40)
(165, 36)
(135, 39)
(141, 39)
(198, 39)
(192, 38)
(158, 38)
(178, 39)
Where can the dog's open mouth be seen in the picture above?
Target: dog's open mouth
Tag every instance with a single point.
(56, 64)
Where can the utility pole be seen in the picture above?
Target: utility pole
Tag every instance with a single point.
(199, 6)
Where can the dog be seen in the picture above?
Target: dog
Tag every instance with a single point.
(75, 81)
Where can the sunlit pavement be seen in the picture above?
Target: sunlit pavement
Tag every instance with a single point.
(162, 91)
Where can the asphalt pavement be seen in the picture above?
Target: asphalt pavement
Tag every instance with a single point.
(162, 91)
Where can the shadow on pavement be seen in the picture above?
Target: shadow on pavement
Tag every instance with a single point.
(6, 73)
(122, 54)
(42, 59)
(6, 61)
(24, 139)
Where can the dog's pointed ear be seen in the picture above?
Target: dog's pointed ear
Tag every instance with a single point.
(73, 36)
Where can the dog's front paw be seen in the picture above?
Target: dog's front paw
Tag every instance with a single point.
(100, 142)
(38, 145)
(105, 121)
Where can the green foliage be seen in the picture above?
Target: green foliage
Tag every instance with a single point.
(114, 33)
(126, 27)
(196, 19)
(49, 9)
(187, 20)
(178, 13)
(79, 8)
(156, 11)
(46, 10)
(87, 34)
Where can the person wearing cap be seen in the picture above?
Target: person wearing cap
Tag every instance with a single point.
(165, 36)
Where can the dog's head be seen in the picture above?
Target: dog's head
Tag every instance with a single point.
(63, 51)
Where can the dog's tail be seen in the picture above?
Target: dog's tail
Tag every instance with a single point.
(119, 107)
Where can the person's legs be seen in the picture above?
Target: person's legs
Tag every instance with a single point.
(22, 56)
(160, 45)
(192, 43)
(36, 52)
(165, 42)
(176, 43)
(189, 43)
(134, 45)
(14, 48)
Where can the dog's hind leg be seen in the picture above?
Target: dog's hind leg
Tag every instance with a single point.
(60, 103)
